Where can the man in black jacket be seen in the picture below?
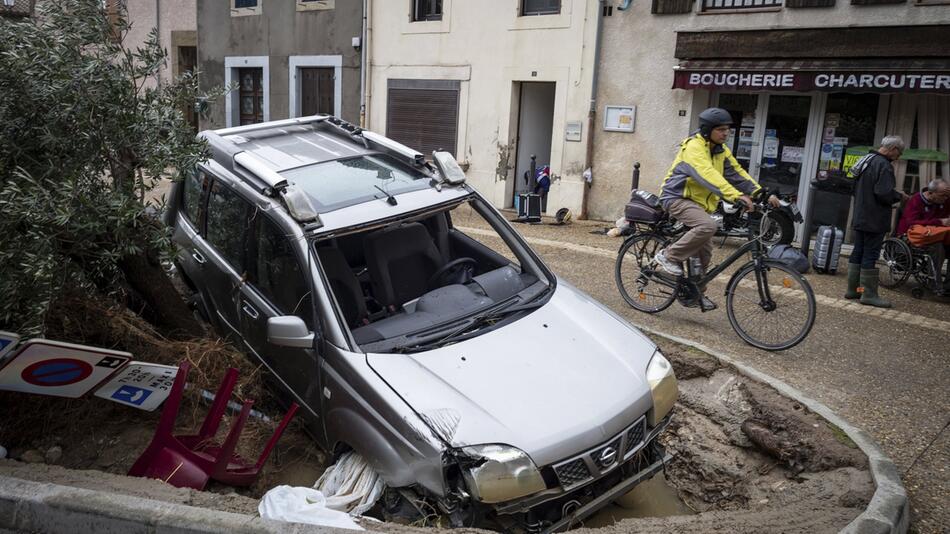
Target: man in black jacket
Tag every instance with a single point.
(874, 198)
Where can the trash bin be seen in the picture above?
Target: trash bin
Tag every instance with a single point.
(827, 197)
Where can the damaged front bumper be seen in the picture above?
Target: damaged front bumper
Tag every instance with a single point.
(564, 505)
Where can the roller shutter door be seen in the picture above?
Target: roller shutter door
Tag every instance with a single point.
(423, 114)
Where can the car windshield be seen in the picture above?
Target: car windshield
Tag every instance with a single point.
(433, 278)
(344, 182)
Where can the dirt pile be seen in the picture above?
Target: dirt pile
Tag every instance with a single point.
(96, 434)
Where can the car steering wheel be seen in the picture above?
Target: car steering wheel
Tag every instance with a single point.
(457, 271)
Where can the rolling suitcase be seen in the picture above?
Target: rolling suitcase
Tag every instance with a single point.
(529, 207)
(828, 241)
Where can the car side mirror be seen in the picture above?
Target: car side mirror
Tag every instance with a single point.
(289, 331)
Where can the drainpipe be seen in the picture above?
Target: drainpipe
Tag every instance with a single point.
(158, 30)
(592, 112)
(366, 76)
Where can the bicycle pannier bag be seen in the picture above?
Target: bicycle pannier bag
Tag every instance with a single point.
(827, 249)
(643, 207)
(790, 256)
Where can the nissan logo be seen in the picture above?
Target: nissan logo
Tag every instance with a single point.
(607, 456)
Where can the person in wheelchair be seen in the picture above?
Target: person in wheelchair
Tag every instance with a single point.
(703, 172)
(926, 223)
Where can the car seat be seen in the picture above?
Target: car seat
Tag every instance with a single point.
(401, 259)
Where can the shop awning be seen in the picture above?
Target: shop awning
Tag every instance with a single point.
(852, 75)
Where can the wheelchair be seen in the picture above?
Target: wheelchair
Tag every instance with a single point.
(900, 260)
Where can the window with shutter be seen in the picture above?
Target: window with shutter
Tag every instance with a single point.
(423, 114)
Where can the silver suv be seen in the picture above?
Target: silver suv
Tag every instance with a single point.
(416, 327)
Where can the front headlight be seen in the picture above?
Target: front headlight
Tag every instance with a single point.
(500, 473)
(662, 386)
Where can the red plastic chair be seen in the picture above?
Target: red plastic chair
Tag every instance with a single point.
(189, 461)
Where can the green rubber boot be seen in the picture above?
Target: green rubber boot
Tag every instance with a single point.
(869, 297)
(854, 278)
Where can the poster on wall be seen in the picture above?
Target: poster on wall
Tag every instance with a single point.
(619, 118)
(731, 140)
(832, 120)
(793, 154)
(748, 119)
(828, 135)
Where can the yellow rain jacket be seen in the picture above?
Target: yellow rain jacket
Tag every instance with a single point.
(703, 177)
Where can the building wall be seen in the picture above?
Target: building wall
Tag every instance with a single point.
(279, 32)
(489, 48)
(177, 25)
(637, 68)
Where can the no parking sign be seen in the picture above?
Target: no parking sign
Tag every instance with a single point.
(8, 341)
(59, 369)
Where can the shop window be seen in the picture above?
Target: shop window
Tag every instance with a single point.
(426, 10)
(712, 6)
(540, 7)
(847, 130)
(740, 141)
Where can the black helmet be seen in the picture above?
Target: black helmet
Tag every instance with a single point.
(711, 118)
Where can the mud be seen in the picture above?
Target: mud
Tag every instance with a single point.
(719, 480)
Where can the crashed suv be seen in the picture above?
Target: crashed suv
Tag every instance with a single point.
(413, 325)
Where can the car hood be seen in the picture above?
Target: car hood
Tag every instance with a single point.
(566, 377)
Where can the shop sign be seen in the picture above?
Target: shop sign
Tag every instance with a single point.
(876, 82)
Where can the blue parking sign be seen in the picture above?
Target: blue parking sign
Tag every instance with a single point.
(131, 395)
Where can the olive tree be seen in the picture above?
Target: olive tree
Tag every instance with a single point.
(83, 140)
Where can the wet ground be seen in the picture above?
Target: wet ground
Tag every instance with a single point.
(884, 371)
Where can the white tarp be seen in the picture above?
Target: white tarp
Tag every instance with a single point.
(346, 489)
(303, 505)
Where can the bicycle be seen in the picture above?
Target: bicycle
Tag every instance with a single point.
(770, 305)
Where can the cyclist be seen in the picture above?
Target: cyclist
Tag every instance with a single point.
(703, 172)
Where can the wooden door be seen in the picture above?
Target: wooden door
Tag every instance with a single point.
(251, 95)
(188, 62)
(316, 91)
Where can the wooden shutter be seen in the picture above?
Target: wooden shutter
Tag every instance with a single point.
(423, 114)
(668, 7)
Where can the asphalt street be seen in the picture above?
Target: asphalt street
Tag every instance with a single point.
(884, 371)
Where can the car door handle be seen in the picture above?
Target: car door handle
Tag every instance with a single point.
(249, 310)
(198, 257)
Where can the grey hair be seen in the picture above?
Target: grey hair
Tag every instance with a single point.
(935, 183)
(892, 142)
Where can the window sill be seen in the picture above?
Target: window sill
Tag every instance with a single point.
(427, 26)
(245, 11)
(316, 5)
(542, 22)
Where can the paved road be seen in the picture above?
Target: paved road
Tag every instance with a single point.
(884, 371)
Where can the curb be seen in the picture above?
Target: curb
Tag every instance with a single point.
(27, 506)
(889, 509)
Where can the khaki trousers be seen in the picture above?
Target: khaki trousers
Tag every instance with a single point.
(698, 240)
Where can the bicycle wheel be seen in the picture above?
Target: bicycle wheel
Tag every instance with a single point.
(635, 277)
(772, 308)
(895, 264)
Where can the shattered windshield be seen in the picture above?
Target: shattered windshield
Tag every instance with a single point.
(344, 182)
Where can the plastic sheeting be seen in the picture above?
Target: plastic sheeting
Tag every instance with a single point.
(303, 505)
(347, 489)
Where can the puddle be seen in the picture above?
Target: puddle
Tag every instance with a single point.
(653, 498)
